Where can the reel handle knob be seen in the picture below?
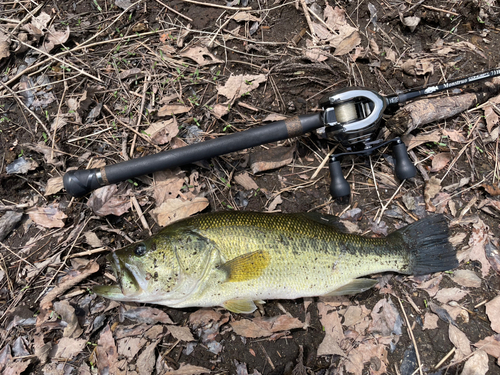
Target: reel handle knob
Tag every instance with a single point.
(339, 187)
(404, 168)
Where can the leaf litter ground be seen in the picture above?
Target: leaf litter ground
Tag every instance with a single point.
(87, 84)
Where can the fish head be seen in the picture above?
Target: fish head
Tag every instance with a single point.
(164, 269)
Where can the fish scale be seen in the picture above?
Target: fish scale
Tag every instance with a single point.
(232, 259)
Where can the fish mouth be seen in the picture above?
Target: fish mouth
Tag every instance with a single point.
(130, 282)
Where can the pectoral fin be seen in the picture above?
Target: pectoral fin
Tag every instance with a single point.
(246, 267)
(353, 287)
(240, 306)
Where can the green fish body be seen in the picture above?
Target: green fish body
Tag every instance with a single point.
(232, 259)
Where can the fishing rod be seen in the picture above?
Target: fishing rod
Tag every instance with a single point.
(350, 116)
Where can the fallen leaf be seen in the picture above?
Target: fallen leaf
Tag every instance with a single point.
(492, 310)
(274, 117)
(92, 239)
(180, 333)
(201, 55)
(430, 321)
(162, 132)
(477, 242)
(147, 359)
(477, 364)
(246, 181)
(173, 109)
(461, 342)
(236, 86)
(55, 38)
(67, 314)
(54, 185)
(130, 346)
(4, 45)
(367, 352)
(167, 185)
(264, 326)
(129, 72)
(204, 317)
(21, 166)
(110, 200)
(175, 209)
(264, 160)
(8, 222)
(186, 369)
(245, 16)
(107, 355)
(68, 281)
(442, 313)
(275, 202)
(490, 345)
(466, 278)
(124, 4)
(418, 66)
(411, 22)
(414, 141)
(355, 315)
(67, 348)
(455, 135)
(440, 161)
(450, 294)
(41, 21)
(48, 217)
(350, 39)
(16, 368)
(491, 117)
(432, 187)
(333, 331)
(220, 110)
(386, 319)
(491, 189)
(492, 254)
(148, 315)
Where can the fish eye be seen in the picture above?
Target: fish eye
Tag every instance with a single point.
(140, 250)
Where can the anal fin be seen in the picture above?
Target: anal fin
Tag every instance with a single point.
(353, 287)
(240, 306)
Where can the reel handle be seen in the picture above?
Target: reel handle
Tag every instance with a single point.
(403, 167)
(339, 187)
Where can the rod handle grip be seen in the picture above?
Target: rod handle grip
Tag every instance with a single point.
(81, 182)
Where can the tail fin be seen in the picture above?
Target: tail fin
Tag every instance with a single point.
(428, 244)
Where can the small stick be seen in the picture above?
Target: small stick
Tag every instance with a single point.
(322, 22)
(141, 215)
(445, 358)
(6, 272)
(216, 5)
(384, 207)
(89, 252)
(15, 254)
(323, 163)
(57, 118)
(139, 118)
(410, 331)
(174, 11)
(440, 10)
(308, 19)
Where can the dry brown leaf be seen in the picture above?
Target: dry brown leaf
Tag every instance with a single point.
(264, 160)
(203, 317)
(162, 132)
(201, 55)
(492, 189)
(167, 184)
(71, 279)
(466, 278)
(350, 39)
(477, 243)
(16, 368)
(107, 355)
(4, 45)
(418, 66)
(110, 200)
(333, 331)
(148, 315)
(173, 109)
(477, 364)
(430, 321)
(236, 86)
(411, 22)
(54, 185)
(275, 202)
(493, 312)
(175, 209)
(92, 239)
(245, 16)
(130, 346)
(264, 326)
(67, 348)
(450, 294)
(180, 333)
(455, 135)
(55, 38)
(490, 345)
(147, 359)
(41, 21)
(493, 255)
(432, 187)
(67, 314)
(415, 141)
(491, 117)
(367, 352)
(8, 222)
(48, 217)
(440, 161)
(129, 72)
(274, 117)
(334, 17)
(185, 369)
(460, 341)
(314, 54)
(246, 181)
(355, 315)
(386, 319)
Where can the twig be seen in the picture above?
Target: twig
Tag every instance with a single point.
(216, 5)
(308, 19)
(56, 123)
(141, 215)
(53, 57)
(322, 22)
(445, 358)
(440, 10)
(89, 252)
(410, 331)
(28, 16)
(139, 117)
(15, 254)
(174, 11)
(6, 272)
(375, 182)
(384, 207)
(323, 163)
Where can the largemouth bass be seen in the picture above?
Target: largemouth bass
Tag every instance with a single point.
(233, 259)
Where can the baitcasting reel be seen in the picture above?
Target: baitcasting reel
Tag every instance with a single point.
(351, 116)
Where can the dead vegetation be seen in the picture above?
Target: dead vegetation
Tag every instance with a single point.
(91, 83)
